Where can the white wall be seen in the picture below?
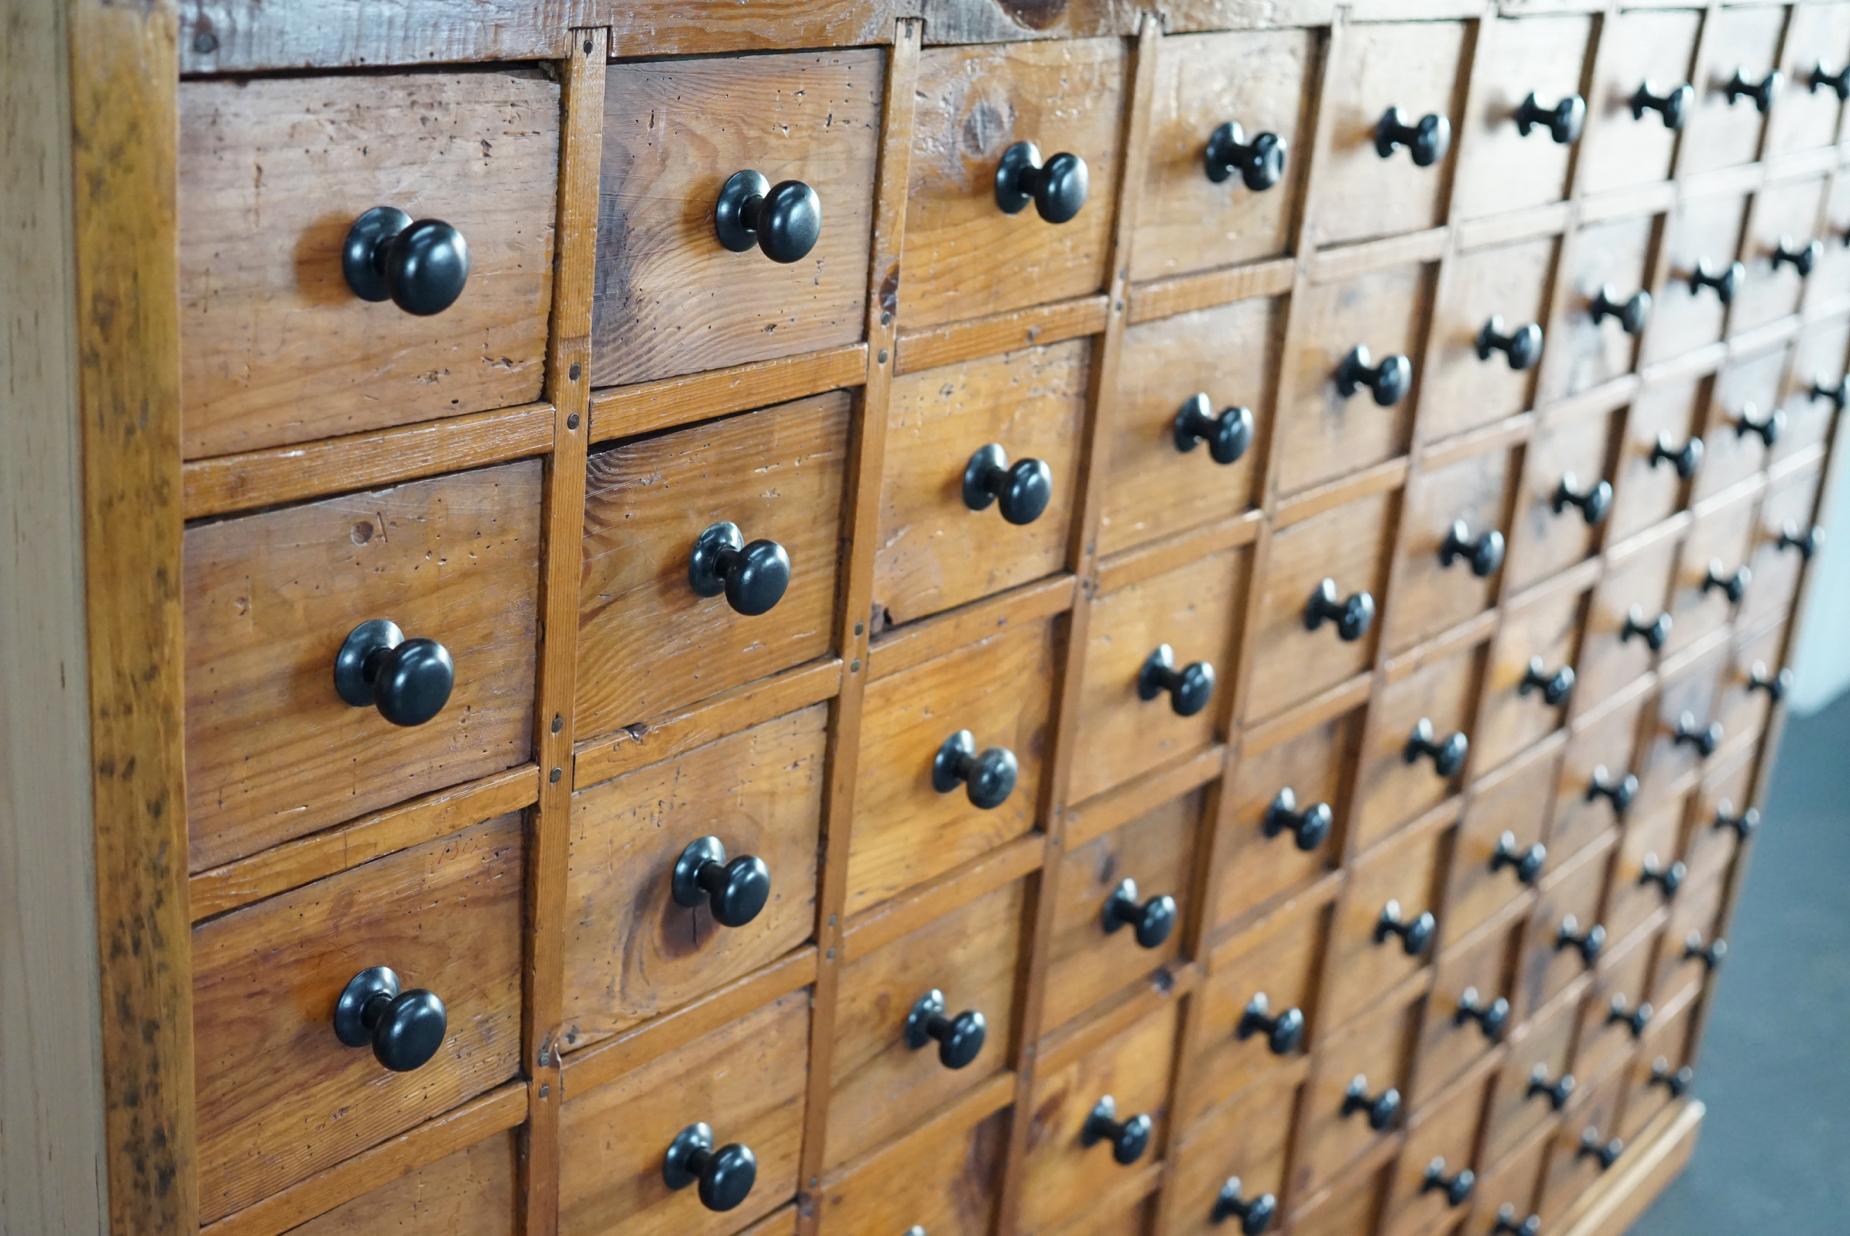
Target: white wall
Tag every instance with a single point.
(1821, 660)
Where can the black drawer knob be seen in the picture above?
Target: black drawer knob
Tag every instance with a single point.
(1676, 1082)
(1525, 861)
(1255, 1214)
(1309, 828)
(1228, 433)
(1057, 187)
(1353, 614)
(1668, 877)
(1711, 954)
(1283, 1031)
(1605, 1153)
(1837, 83)
(1522, 346)
(1022, 490)
(1415, 933)
(1618, 789)
(1387, 381)
(420, 266)
(1128, 1139)
(1447, 754)
(1634, 1017)
(753, 576)
(1594, 501)
(1731, 584)
(960, 1039)
(1153, 919)
(1189, 687)
(1631, 313)
(1704, 738)
(1805, 543)
(404, 1028)
(735, 891)
(407, 680)
(1773, 685)
(1557, 1091)
(1260, 162)
(1426, 138)
(1743, 823)
(1555, 685)
(1455, 1187)
(1672, 105)
(1492, 1016)
(988, 778)
(1484, 551)
(1802, 258)
(725, 1175)
(1759, 93)
(783, 220)
(1562, 121)
(1381, 1109)
(1654, 633)
(1686, 459)
(1724, 282)
(1767, 428)
(1589, 943)
(1508, 1222)
(1836, 393)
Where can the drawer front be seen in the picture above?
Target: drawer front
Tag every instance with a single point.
(1638, 48)
(649, 641)
(1400, 882)
(1462, 1021)
(1444, 578)
(1418, 731)
(1722, 130)
(1495, 854)
(1441, 1145)
(1817, 36)
(1744, 698)
(1651, 848)
(1629, 612)
(1708, 569)
(1654, 1080)
(1722, 813)
(1154, 485)
(1463, 386)
(1529, 684)
(1683, 960)
(272, 756)
(1354, 1208)
(275, 346)
(1243, 1140)
(936, 550)
(1566, 936)
(1412, 67)
(470, 1192)
(1664, 447)
(1507, 1190)
(1680, 730)
(1539, 1058)
(1595, 339)
(272, 1073)
(934, 1180)
(1598, 784)
(633, 948)
(1564, 500)
(965, 257)
(1259, 80)
(1688, 310)
(906, 830)
(1280, 839)
(1818, 362)
(672, 297)
(882, 1084)
(1785, 216)
(1777, 560)
(745, 1081)
(1371, 1061)
(1515, 58)
(1746, 393)
(1573, 1166)
(1617, 1010)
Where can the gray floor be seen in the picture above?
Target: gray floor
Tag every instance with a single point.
(1774, 1153)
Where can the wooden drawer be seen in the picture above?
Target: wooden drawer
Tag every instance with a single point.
(1359, 1083)
(744, 1081)
(1289, 816)
(1354, 1208)
(1703, 276)
(1712, 564)
(1659, 1074)
(906, 830)
(1818, 364)
(883, 1084)
(1721, 819)
(1746, 394)
(1565, 498)
(1516, 60)
(1751, 681)
(1638, 49)
(1603, 305)
(1691, 948)
(1539, 1061)
(1628, 614)
(1435, 1178)
(1817, 40)
(1506, 1193)
(1617, 1010)
(937, 1179)
(1448, 573)
(1529, 681)
(1566, 937)
(1499, 848)
(1586, 1146)
(1416, 744)
(1649, 870)
(1154, 484)
(1349, 410)
(1472, 1007)
(1138, 708)
(1235, 1156)
(470, 1192)
(673, 297)
(1724, 130)
(1682, 734)
(1290, 660)
(280, 1096)
(1499, 290)
(649, 639)
(1367, 187)
(936, 550)
(275, 346)
(1397, 883)
(1662, 451)
(1193, 217)
(273, 752)
(1599, 782)
(633, 947)
(1069, 1150)
(1782, 529)
(1782, 251)
(965, 257)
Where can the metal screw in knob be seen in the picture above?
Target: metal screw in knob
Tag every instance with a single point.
(1618, 790)
(1057, 187)
(1388, 381)
(1622, 1012)
(1189, 687)
(1562, 121)
(1710, 954)
(1283, 1031)
(1447, 755)
(1837, 83)
(1260, 162)
(1773, 685)
(1676, 1082)
(1426, 138)
(1555, 687)
(1672, 105)
(1594, 501)
(1484, 552)
(1492, 1016)
(1705, 738)
(1153, 919)
(1255, 1214)
(1128, 1138)
(1507, 1223)
(960, 1039)
(1457, 1186)
(1415, 933)
(1606, 1153)
(1522, 346)
(1802, 258)
(1631, 313)
(1767, 428)
(1686, 459)
(725, 1176)
(1353, 615)
(407, 680)
(1021, 491)
(404, 1028)
(1806, 543)
(1557, 1092)
(1308, 828)
(753, 577)
(1759, 93)
(1381, 1109)
(1724, 282)
(421, 267)
(1589, 943)
(734, 891)
(1654, 633)
(988, 778)
(783, 220)
(1744, 823)
(1228, 433)
(1526, 862)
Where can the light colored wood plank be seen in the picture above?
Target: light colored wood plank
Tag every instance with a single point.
(626, 411)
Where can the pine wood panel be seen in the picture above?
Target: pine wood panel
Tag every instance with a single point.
(1247, 1137)
(934, 1180)
(1461, 390)
(469, 1193)
(1363, 964)
(1314, 766)
(1503, 169)
(1430, 595)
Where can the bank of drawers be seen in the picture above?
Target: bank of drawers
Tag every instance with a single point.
(1375, 587)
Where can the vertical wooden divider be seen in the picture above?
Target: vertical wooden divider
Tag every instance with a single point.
(568, 388)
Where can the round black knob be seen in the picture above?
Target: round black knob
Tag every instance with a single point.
(1381, 1109)
(1711, 954)
(1802, 258)
(1415, 933)
(1606, 1153)
(1057, 188)
(1228, 433)
(1724, 282)
(784, 220)
(1353, 615)
(1731, 584)
(421, 266)
(1557, 1092)
(725, 1176)
(1128, 1138)
(1308, 828)
(1674, 1081)
(1555, 687)
(1594, 501)
(1686, 459)
(1447, 756)
(1260, 162)
(1562, 121)
(734, 891)
(1774, 685)
(1621, 1012)
(1508, 1224)
(1388, 380)
(988, 778)
(1255, 1214)
(1760, 93)
(1668, 877)
(1767, 428)
(1023, 490)
(1492, 1016)
(1525, 861)
(1456, 1187)
(404, 1028)
(1484, 552)
(1426, 139)
(407, 680)
(1744, 823)
(1589, 943)
(1523, 345)
(1806, 543)
(1837, 83)
(1837, 393)
(1189, 688)
(1654, 633)
(960, 1038)
(1632, 312)
(1618, 790)
(753, 577)
(1283, 1031)
(1153, 919)
(1673, 105)
(1705, 739)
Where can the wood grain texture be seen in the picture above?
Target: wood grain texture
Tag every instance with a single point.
(1429, 595)
(1582, 352)
(1483, 966)
(1360, 968)
(1635, 47)
(469, 1193)
(1543, 541)
(1509, 716)
(1501, 169)
(937, 1179)
(1315, 767)
(1459, 390)
(668, 403)
(1704, 234)
(1379, 1050)
(1238, 1139)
